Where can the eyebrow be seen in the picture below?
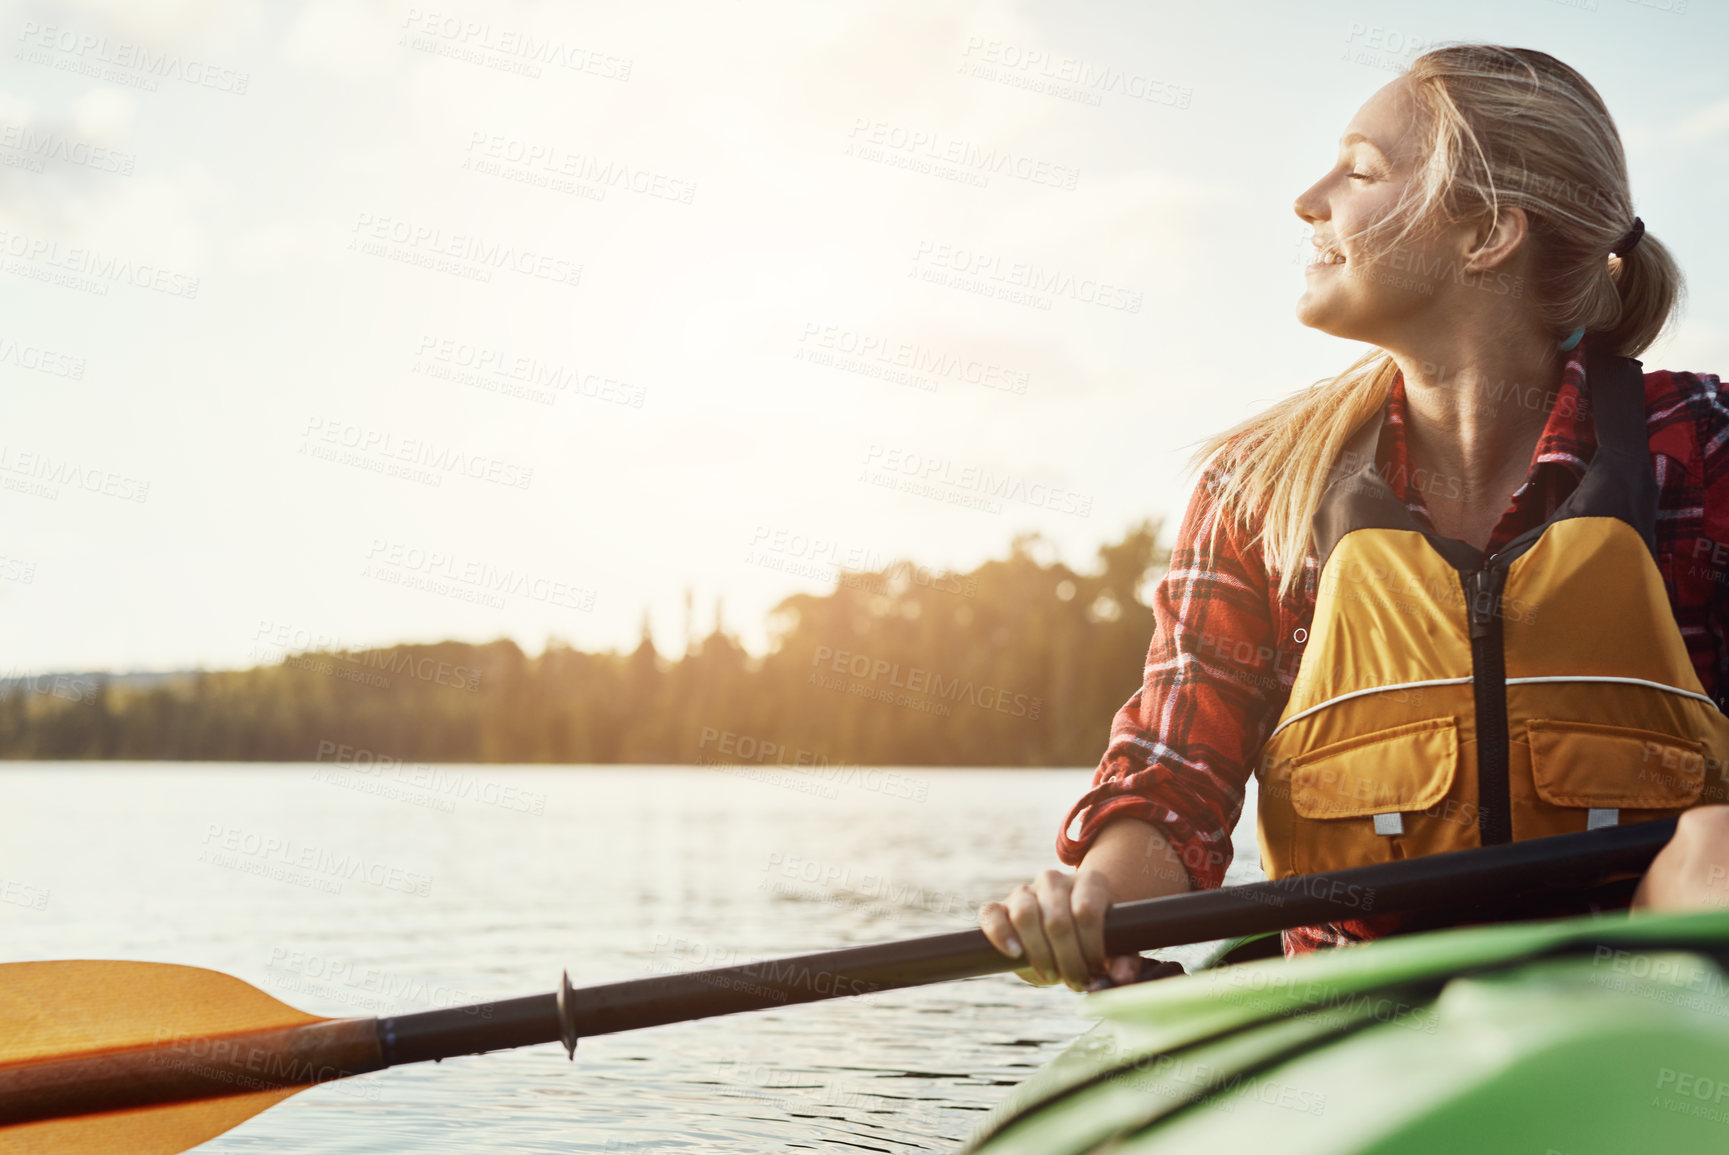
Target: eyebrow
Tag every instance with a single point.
(1351, 138)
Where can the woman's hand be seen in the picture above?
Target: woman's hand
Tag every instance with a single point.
(1057, 923)
(1692, 871)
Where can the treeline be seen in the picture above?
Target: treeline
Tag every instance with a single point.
(1017, 663)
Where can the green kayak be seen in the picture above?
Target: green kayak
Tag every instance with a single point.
(1587, 1036)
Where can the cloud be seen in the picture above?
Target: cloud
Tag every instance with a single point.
(1704, 124)
(50, 173)
(190, 25)
(347, 37)
(103, 114)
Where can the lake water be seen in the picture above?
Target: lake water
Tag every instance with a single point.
(465, 884)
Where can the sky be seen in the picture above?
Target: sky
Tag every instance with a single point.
(342, 323)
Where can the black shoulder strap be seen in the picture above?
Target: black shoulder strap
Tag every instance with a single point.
(1619, 482)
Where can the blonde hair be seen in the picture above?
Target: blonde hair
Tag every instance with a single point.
(1505, 127)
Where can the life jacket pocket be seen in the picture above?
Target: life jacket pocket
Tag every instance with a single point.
(1602, 767)
(1337, 790)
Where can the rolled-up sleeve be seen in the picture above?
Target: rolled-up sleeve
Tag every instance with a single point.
(1181, 749)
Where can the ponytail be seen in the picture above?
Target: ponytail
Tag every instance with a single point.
(1648, 289)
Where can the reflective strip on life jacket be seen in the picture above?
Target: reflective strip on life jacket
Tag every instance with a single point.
(1407, 686)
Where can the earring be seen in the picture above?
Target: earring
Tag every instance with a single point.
(1572, 339)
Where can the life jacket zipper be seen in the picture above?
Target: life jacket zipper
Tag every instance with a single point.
(1489, 682)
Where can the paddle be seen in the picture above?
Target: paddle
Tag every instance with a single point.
(151, 1057)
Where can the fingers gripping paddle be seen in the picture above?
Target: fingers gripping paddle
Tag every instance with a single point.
(152, 1057)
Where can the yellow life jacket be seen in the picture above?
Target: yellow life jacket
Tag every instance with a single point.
(1448, 699)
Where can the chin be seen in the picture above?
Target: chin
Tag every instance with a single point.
(1317, 316)
(1330, 317)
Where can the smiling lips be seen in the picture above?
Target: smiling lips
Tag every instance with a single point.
(1327, 256)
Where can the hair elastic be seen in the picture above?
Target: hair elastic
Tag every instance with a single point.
(1572, 339)
(1631, 241)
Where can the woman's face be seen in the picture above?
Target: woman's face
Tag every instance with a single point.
(1362, 299)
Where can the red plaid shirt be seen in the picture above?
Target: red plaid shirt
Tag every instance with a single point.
(1224, 652)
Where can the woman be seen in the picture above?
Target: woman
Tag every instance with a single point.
(1468, 591)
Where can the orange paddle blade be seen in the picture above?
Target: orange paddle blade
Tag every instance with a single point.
(116, 1025)
(164, 1130)
(52, 1009)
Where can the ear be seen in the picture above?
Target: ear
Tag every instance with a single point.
(1494, 243)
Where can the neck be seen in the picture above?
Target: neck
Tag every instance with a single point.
(1474, 410)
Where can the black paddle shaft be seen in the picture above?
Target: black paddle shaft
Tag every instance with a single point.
(1456, 880)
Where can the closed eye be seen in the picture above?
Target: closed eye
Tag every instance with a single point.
(1361, 176)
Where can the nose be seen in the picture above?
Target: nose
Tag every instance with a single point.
(1310, 206)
